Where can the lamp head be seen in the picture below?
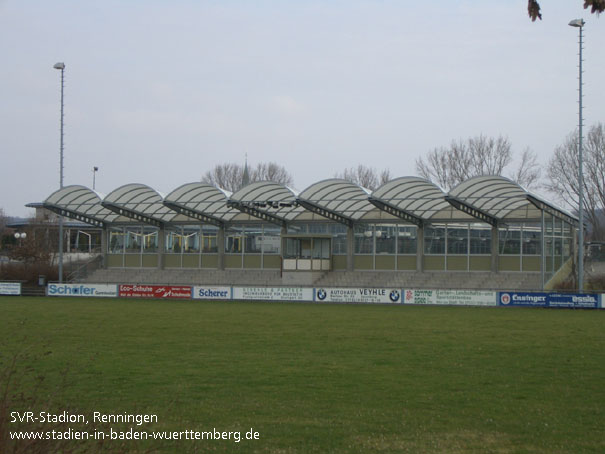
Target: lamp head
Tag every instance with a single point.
(59, 65)
(577, 23)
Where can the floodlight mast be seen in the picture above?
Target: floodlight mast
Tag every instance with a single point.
(579, 23)
(61, 66)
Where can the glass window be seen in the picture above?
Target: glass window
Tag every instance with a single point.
(481, 239)
(173, 241)
(510, 240)
(271, 239)
(364, 239)
(116, 240)
(386, 238)
(133, 240)
(292, 248)
(234, 240)
(457, 239)
(150, 240)
(434, 240)
(548, 223)
(297, 229)
(253, 239)
(305, 248)
(566, 248)
(209, 239)
(532, 239)
(406, 241)
(339, 239)
(558, 227)
(321, 248)
(318, 228)
(558, 247)
(566, 229)
(191, 240)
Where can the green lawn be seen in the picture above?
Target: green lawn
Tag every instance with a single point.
(316, 378)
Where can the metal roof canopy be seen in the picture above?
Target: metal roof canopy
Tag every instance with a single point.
(337, 199)
(140, 202)
(493, 199)
(414, 199)
(201, 201)
(80, 203)
(267, 200)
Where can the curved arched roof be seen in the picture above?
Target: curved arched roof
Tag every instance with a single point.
(415, 199)
(140, 202)
(267, 200)
(494, 198)
(201, 201)
(491, 199)
(337, 199)
(80, 202)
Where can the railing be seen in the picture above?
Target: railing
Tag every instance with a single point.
(85, 269)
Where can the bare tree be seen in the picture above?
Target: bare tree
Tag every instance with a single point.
(563, 178)
(366, 177)
(230, 176)
(528, 172)
(271, 172)
(533, 8)
(481, 155)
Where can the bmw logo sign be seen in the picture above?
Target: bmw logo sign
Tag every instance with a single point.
(321, 294)
(395, 296)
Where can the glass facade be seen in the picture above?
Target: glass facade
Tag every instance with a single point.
(448, 245)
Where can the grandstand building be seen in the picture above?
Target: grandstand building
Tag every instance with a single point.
(488, 232)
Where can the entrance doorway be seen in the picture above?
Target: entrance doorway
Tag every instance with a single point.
(307, 253)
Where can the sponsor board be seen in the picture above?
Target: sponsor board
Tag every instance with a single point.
(450, 297)
(10, 288)
(212, 293)
(567, 300)
(273, 293)
(357, 295)
(156, 291)
(96, 290)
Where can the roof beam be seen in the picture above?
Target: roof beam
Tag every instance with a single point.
(551, 210)
(325, 212)
(471, 210)
(141, 217)
(194, 214)
(250, 208)
(75, 215)
(395, 211)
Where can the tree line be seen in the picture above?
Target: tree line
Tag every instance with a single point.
(463, 159)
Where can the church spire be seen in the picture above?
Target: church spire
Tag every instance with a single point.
(246, 175)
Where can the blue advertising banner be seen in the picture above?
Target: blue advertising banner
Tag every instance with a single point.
(568, 300)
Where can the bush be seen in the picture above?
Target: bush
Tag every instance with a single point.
(27, 273)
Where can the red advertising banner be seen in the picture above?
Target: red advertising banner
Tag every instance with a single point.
(156, 291)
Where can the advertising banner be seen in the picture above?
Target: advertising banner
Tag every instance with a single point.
(566, 300)
(212, 293)
(96, 290)
(451, 297)
(156, 291)
(357, 295)
(273, 293)
(10, 288)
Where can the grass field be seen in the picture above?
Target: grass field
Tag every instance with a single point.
(315, 378)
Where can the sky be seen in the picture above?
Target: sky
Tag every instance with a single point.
(159, 92)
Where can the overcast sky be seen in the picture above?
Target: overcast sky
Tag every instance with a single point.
(159, 92)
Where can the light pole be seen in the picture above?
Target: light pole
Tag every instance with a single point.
(579, 23)
(61, 66)
(95, 169)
